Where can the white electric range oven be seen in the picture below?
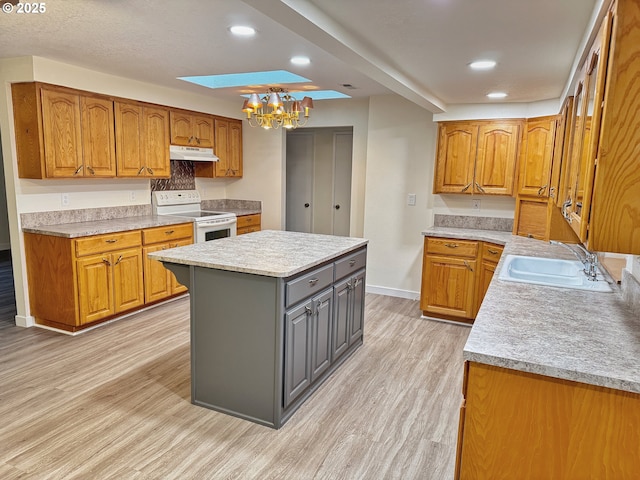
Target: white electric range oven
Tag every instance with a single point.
(207, 225)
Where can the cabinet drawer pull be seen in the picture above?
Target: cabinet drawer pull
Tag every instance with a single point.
(466, 187)
(107, 262)
(479, 187)
(352, 263)
(467, 265)
(169, 232)
(111, 240)
(542, 189)
(492, 252)
(313, 281)
(451, 245)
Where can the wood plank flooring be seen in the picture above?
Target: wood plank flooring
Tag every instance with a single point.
(114, 403)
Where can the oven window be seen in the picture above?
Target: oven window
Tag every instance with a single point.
(216, 234)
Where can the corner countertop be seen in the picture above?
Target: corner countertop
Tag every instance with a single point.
(268, 252)
(98, 227)
(587, 337)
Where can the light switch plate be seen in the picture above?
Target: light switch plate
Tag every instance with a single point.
(411, 199)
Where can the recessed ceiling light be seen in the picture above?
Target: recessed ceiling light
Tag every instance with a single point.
(496, 95)
(243, 30)
(300, 60)
(482, 64)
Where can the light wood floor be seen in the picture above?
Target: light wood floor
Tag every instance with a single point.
(113, 403)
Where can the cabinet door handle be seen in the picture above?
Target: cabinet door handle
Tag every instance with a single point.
(190, 140)
(141, 170)
(309, 310)
(78, 170)
(466, 187)
(479, 187)
(451, 245)
(118, 261)
(150, 170)
(492, 252)
(111, 240)
(467, 265)
(313, 281)
(107, 262)
(542, 189)
(197, 140)
(91, 170)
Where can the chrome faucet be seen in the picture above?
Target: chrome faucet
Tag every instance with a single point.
(590, 260)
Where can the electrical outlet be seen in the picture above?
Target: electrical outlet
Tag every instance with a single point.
(411, 199)
(64, 199)
(475, 204)
(132, 196)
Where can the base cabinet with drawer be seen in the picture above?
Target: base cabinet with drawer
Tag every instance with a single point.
(75, 283)
(455, 276)
(249, 223)
(262, 345)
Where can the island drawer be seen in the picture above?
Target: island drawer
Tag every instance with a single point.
(168, 232)
(308, 285)
(106, 243)
(350, 264)
(450, 246)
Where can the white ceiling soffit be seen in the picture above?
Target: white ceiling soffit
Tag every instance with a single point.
(308, 21)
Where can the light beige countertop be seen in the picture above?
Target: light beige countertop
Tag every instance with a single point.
(97, 227)
(238, 211)
(577, 335)
(270, 253)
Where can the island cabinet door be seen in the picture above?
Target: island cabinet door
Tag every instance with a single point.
(322, 310)
(297, 362)
(341, 317)
(357, 308)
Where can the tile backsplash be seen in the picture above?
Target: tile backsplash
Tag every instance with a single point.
(182, 177)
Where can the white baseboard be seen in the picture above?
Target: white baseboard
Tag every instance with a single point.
(25, 321)
(393, 292)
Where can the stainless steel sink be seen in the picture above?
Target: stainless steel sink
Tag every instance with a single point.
(553, 272)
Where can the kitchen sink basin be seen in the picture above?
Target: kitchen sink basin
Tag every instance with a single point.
(552, 272)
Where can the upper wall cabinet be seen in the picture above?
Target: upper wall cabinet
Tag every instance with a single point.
(142, 139)
(477, 157)
(191, 129)
(604, 182)
(536, 158)
(62, 133)
(228, 148)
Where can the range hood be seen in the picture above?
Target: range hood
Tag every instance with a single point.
(196, 154)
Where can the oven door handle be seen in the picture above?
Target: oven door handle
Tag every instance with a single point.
(205, 224)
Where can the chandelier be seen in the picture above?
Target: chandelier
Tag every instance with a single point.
(277, 109)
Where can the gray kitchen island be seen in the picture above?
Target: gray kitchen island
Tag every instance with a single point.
(273, 314)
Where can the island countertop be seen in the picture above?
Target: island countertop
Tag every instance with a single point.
(270, 253)
(588, 337)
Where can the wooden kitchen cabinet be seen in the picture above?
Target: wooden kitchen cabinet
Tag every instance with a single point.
(490, 254)
(477, 157)
(228, 148)
(142, 140)
(449, 278)
(159, 282)
(527, 426)
(455, 277)
(191, 129)
(62, 133)
(74, 283)
(537, 155)
(248, 223)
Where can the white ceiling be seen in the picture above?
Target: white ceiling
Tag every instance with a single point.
(417, 48)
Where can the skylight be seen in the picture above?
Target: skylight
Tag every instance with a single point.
(314, 94)
(244, 79)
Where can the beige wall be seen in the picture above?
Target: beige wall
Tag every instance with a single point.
(4, 217)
